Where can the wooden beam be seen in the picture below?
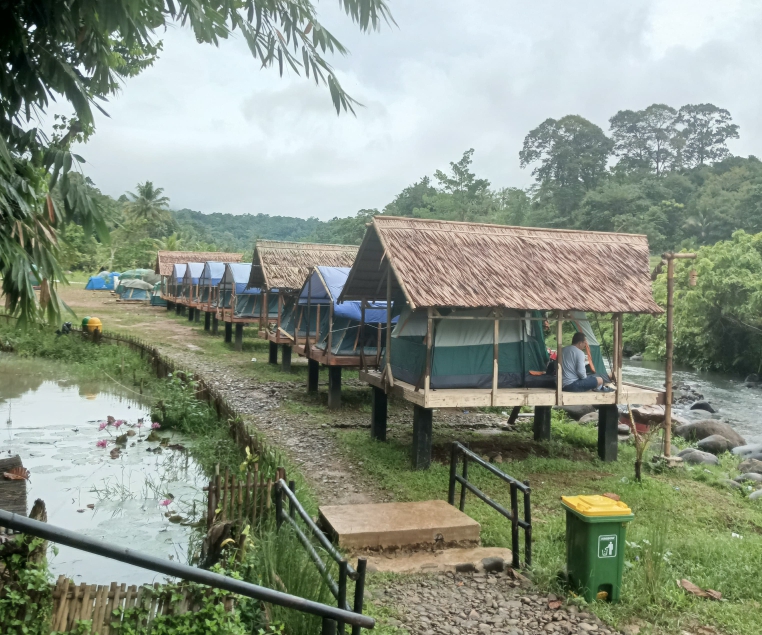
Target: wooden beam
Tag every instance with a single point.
(429, 340)
(495, 348)
(389, 375)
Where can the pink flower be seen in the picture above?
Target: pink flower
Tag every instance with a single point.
(118, 423)
(101, 444)
(110, 419)
(165, 503)
(139, 424)
(102, 426)
(155, 425)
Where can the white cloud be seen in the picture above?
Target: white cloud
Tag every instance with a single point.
(219, 134)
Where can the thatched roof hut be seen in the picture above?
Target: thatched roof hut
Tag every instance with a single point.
(472, 265)
(166, 259)
(286, 265)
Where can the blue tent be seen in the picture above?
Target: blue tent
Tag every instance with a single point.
(210, 279)
(175, 282)
(317, 297)
(193, 272)
(233, 291)
(103, 281)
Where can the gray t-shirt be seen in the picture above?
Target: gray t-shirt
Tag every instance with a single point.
(572, 365)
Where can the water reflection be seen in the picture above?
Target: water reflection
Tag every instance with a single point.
(54, 428)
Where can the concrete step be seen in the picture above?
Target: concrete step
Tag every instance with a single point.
(394, 525)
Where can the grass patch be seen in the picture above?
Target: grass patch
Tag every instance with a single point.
(697, 543)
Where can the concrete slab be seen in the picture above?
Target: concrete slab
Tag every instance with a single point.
(383, 525)
(435, 561)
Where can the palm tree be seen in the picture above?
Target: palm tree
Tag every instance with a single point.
(170, 243)
(148, 204)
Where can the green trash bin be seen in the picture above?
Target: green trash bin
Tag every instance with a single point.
(596, 527)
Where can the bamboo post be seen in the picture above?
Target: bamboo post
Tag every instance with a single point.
(389, 375)
(670, 257)
(429, 339)
(225, 496)
(559, 371)
(615, 357)
(495, 347)
(329, 347)
(309, 313)
(280, 304)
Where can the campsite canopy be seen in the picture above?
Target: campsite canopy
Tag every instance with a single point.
(165, 260)
(135, 290)
(103, 281)
(209, 279)
(156, 299)
(140, 274)
(286, 265)
(234, 289)
(483, 273)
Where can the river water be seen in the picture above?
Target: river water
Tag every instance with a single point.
(737, 405)
(52, 423)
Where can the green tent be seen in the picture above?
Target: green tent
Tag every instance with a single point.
(463, 350)
(581, 323)
(156, 299)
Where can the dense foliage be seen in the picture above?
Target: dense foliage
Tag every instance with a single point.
(79, 53)
(718, 323)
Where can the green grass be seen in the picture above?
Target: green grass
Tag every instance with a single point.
(701, 514)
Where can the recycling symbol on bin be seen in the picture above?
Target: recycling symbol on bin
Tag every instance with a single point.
(607, 546)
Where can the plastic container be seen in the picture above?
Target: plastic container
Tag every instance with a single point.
(93, 324)
(596, 527)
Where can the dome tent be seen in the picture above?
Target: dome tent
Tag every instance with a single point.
(135, 290)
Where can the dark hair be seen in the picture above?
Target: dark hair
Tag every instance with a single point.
(578, 337)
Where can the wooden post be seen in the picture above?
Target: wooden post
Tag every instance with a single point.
(286, 358)
(329, 346)
(389, 375)
(264, 313)
(608, 432)
(215, 324)
(207, 320)
(559, 372)
(273, 356)
(378, 414)
(334, 387)
(280, 305)
(309, 315)
(429, 340)
(541, 423)
(361, 334)
(228, 332)
(313, 375)
(670, 257)
(495, 348)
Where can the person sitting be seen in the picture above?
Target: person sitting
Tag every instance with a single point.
(574, 376)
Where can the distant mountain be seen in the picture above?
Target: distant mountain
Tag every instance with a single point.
(238, 233)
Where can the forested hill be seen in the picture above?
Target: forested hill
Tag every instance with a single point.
(238, 233)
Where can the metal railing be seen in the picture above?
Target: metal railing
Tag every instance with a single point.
(330, 615)
(458, 450)
(339, 590)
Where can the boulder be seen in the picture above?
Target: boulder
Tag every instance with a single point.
(590, 417)
(752, 379)
(755, 496)
(648, 414)
(636, 358)
(703, 405)
(730, 484)
(749, 476)
(697, 457)
(623, 429)
(708, 427)
(750, 466)
(748, 450)
(577, 412)
(715, 444)
(493, 565)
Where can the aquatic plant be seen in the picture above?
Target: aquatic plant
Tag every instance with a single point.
(102, 426)
(102, 443)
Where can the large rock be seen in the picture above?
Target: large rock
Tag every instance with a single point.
(749, 476)
(703, 405)
(748, 450)
(590, 417)
(755, 496)
(577, 412)
(715, 444)
(750, 466)
(708, 427)
(697, 457)
(648, 414)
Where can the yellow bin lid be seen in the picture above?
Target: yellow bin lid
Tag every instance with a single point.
(596, 506)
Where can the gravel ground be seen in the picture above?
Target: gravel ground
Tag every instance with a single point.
(482, 603)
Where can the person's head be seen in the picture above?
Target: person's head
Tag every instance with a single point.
(578, 340)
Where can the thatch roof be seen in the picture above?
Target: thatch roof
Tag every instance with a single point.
(165, 259)
(447, 264)
(285, 265)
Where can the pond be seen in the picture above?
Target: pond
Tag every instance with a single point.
(54, 424)
(735, 404)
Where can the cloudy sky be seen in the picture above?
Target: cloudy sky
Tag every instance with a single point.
(221, 135)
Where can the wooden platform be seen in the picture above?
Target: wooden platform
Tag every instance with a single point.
(508, 397)
(371, 526)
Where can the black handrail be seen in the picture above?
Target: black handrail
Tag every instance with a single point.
(516, 486)
(77, 541)
(338, 590)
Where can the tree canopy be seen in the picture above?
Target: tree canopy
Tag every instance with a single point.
(79, 53)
